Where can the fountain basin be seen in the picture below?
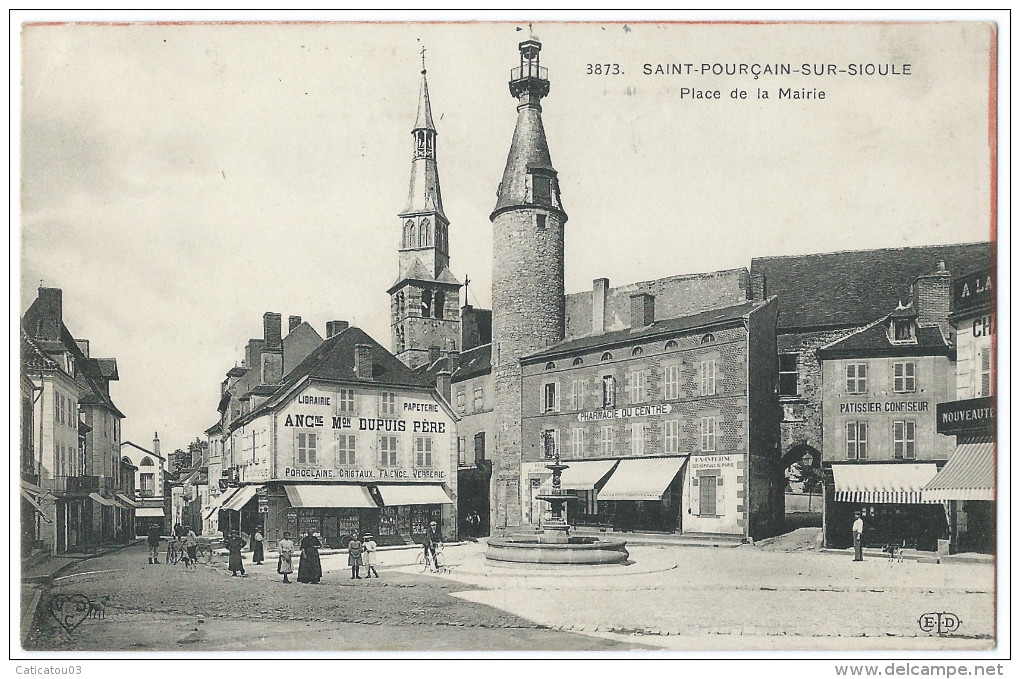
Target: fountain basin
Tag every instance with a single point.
(579, 551)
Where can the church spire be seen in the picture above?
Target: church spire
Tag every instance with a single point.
(424, 119)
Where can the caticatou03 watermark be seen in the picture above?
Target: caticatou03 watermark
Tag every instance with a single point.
(47, 669)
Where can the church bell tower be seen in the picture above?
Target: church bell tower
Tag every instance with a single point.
(528, 300)
(425, 299)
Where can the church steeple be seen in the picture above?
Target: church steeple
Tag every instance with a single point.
(425, 287)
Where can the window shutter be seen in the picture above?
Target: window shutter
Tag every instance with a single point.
(556, 395)
(695, 496)
(720, 495)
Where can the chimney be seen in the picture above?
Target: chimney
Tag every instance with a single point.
(363, 361)
(334, 328)
(452, 361)
(434, 354)
(272, 330)
(293, 322)
(51, 311)
(253, 353)
(155, 442)
(83, 347)
(933, 296)
(757, 286)
(600, 291)
(443, 385)
(642, 309)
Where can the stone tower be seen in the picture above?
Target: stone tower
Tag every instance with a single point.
(425, 299)
(527, 276)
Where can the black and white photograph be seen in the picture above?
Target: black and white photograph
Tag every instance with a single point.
(506, 337)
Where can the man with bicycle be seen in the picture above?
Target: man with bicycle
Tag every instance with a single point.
(432, 538)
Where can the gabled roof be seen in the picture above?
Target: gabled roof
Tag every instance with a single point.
(32, 356)
(706, 319)
(471, 363)
(854, 287)
(333, 361)
(873, 341)
(144, 450)
(108, 368)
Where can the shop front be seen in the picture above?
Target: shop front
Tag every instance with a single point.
(395, 514)
(889, 497)
(643, 495)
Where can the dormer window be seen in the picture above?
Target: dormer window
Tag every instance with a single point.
(903, 330)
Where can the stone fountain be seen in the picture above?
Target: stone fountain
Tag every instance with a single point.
(554, 545)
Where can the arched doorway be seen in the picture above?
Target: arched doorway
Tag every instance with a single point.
(802, 466)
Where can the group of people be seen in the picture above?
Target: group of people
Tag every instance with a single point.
(360, 552)
(184, 539)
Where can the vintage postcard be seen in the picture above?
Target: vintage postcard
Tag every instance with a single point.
(513, 338)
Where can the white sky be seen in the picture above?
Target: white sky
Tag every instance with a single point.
(180, 180)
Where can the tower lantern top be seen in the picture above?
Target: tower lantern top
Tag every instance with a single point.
(529, 82)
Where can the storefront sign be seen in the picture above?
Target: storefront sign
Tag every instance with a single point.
(623, 413)
(713, 461)
(971, 414)
(973, 291)
(312, 421)
(326, 474)
(884, 407)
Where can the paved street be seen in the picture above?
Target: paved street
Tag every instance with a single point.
(672, 598)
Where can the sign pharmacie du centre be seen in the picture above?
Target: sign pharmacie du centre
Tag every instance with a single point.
(624, 413)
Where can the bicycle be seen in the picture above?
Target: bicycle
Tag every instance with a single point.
(424, 562)
(174, 551)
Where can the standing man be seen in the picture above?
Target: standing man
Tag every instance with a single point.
(432, 537)
(153, 541)
(858, 530)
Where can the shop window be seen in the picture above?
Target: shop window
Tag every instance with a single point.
(856, 378)
(637, 438)
(479, 398)
(789, 376)
(388, 451)
(986, 372)
(637, 351)
(671, 436)
(388, 403)
(578, 361)
(345, 401)
(856, 440)
(423, 451)
(550, 398)
(671, 382)
(708, 339)
(608, 438)
(479, 446)
(903, 377)
(708, 377)
(461, 401)
(608, 391)
(346, 452)
(577, 442)
(636, 386)
(708, 434)
(306, 445)
(903, 440)
(607, 356)
(577, 394)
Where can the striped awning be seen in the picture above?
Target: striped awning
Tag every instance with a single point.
(969, 475)
(149, 513)
(126, 501)
(642, 478)
(881, 483)
(239, 499)
(96, 497)
(217, 503)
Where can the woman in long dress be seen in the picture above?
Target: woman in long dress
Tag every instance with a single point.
(285, 565)
(258, 554)
(234, 546)
(310, 568)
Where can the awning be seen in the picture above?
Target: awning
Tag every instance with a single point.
(149, 513)
(31, 499)
(642, 479)
(239, 499)
(424, 494)
(881, 483)
(126, 501)
(583, 475)
(217, 504)
(328, 495)
(96, 497)
(118, 503)
(969, 475)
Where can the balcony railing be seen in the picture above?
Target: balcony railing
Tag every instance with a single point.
(529, 71)
(82, 484)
